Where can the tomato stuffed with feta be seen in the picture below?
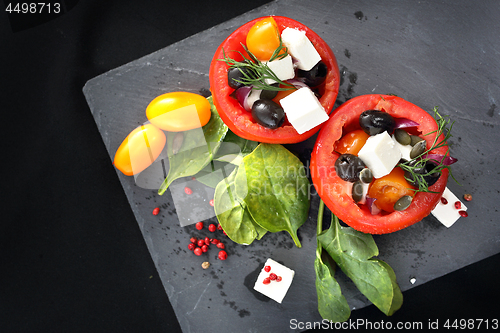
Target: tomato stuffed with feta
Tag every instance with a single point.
(262, 37)
(339, 135)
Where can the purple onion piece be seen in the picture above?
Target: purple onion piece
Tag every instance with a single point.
(370, 202)
(441, 159)
(404, 122)
(242, 94)
(297, 83)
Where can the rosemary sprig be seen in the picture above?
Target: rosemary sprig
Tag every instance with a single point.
(418, 163)
(255, 72)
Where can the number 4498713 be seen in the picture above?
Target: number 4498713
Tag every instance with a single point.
(33, 8)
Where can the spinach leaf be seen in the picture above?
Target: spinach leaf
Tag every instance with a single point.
(353, 252)
(275, 189)
(230, 154)
(232, 214)
(196, 151)
(332, 305)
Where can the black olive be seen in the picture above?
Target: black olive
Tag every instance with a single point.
(236, 73)
(375, 121)
(269, 94)
(268, 113)
(428, 167)
(315, 76)
(348, 167)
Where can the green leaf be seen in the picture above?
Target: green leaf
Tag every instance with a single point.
(332, 305)
(232, 214)
(197, 149)
(352, 251)
(275, 189)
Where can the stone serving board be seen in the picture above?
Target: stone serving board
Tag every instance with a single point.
(429, 53)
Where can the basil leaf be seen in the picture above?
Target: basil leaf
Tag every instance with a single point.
(332, 305)
(232, 214)
(275, 189)
(197, 149)
(352, 251)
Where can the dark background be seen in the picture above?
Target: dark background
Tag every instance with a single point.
(72, 258)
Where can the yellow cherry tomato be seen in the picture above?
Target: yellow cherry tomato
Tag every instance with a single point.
(263, 38)
(389, 189)
(139, 149)
(179, 111)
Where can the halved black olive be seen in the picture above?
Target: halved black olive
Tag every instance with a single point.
(315, 76)
(268, 113)
(430, 179)
(375, 121)
(348, 167)
(235, 74)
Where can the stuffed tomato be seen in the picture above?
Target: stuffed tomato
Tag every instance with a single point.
(337, 193)
(240, 120)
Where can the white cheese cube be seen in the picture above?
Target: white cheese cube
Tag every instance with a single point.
(404, 149)
(301, 48)
(282, 68)
(380, 154)
(274, 289)
(303, 110)
(447, 213)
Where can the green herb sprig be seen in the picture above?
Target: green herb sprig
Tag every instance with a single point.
(255, 72)
(418, 163)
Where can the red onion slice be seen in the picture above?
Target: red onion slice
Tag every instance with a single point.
(242, 94)
(405, 122)
(441, 159)
(297, 83)
(370, 202)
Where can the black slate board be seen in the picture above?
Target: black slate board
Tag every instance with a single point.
(427, 53)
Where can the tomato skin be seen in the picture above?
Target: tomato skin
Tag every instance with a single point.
(263, 39)
(232, 113)
(332, 189)
(139, 149)
(178, 111)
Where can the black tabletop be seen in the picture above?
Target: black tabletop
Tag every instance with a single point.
(72, 256)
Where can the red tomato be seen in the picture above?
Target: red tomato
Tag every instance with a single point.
(352, 142)
(233, 114)
(334, 191)
(139, 149)
(179, 111)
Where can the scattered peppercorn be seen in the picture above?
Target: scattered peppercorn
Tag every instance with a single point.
(204, 248)
(188, 191)
(463, 213)
(191, 246)
(267, 269)
(211, 202)
(215, 241)
(205, 264)
(221, 245)
(458, 205)
(201, 242)
(222, 255)
(278, 278)
(199, 225)
(212, 227)
(193, 240)
(207, 241)
(266, 281)
(467, 197)
(198, 251)
(444, 201)
(156, 211)
(219, 227)
(273, 276)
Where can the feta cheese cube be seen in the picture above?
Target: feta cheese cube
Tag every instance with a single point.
(301, 48)
(405, 149)
(303, 110)
(282, 68)
(447, 213)
(380, 154)
(274, 289)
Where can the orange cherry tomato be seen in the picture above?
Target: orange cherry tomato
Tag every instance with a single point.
(352, 142)
(282, 94)
(179, 111)
(263, 38)
(139, 149)
(389, 189)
